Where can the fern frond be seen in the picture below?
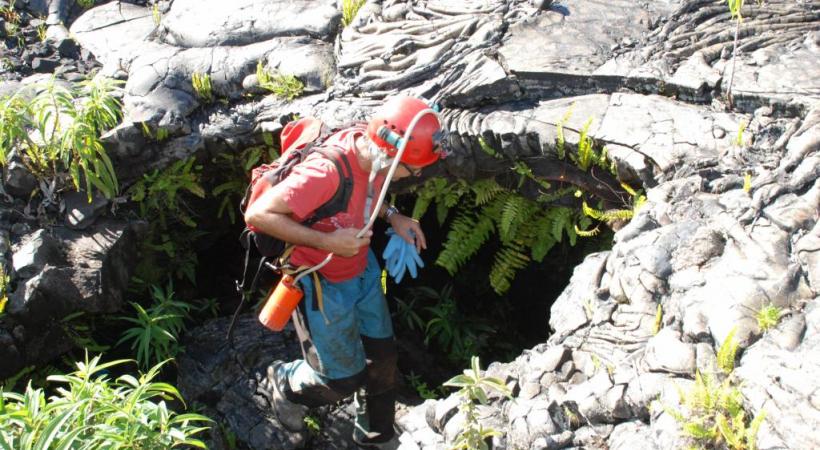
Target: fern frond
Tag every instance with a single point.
(728, 352)
(467, 234)
(608, 215)
(541, 237)
(628, 189)
(485, 190)
(559, 129)
(516, 211)
(561, 220)
(508, 261)
(587, 233)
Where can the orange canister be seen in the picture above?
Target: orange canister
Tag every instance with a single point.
(281, 302)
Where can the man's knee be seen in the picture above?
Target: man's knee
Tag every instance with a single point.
(344, 387)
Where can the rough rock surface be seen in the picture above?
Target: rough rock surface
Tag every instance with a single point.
(653, 76)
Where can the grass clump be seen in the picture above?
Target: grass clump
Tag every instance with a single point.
(201, 83)
(90, 410)
(286, 87)
(349, 10)
(768, 316)
(474, 388)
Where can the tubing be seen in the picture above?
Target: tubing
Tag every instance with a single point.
(383, 193)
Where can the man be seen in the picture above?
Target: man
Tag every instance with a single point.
(346, 332)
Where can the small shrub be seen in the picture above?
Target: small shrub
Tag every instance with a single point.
(201, 83)
(89, 410)
(473, 387)
(768, 316)
(286, 87)
(458, 335)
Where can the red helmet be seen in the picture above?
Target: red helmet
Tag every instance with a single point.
(396, 114)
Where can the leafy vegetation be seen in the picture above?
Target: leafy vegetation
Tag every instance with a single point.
(727, 353)
(85, 4)
(89, 410)
(201, 83)
(474, 387)
(4, 289)
(157, 328)
(526, 229)
(713, 414)
(58, 131)
(421, 387)
(286, 87)
(768, 316)
(349, 10)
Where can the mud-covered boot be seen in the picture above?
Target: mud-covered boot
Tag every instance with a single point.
(291, 415)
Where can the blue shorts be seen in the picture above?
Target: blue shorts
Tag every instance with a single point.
(352, 309)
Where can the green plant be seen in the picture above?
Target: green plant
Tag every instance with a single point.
(727, 353)
(526, 229)
(286, 87)
(86, 3)
(559, 130)
(155, 335)
(4, 289)
(458, 335)
(158, 193)
(735, 7)
(313, 425)
(349, 10)
(713, 414)
(421, 387)
(42, 30)
(236, 169)
(80, 330)
(89, 410)
(656, 327)
(768, 316)
(156, 14)
(201, 83)
(741, 127)
(68, 125)
(474, 387)
(747, 182)
(407, 315)
(587, 155)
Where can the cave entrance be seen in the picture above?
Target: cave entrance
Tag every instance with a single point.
(440, 320)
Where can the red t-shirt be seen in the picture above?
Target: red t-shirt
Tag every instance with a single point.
(311, 184)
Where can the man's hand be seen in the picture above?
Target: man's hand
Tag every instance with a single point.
(404, 225)
(343, 242)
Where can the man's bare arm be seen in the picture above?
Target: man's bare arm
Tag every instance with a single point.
(271, 215)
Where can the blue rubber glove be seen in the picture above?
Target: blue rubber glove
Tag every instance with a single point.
(401, 257)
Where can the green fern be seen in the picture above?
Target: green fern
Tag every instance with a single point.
(517, 210)
(559, 129)
(586, 153)
(486, 190)
(467, 234)
(607, 216)
(488, 149)
(511, 258)
(543, 240)
(727, 353)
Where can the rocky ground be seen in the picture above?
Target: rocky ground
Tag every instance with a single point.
(708, 247)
